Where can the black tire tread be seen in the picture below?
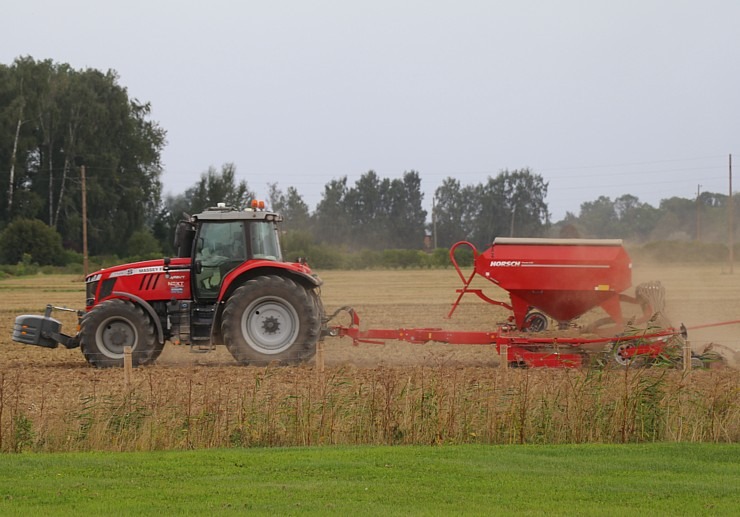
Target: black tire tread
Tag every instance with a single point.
(303, 301)
(144, 352)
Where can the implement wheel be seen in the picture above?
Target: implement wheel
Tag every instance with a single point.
(618, 358)
(271, 318)
(112, 325)
(535, 321)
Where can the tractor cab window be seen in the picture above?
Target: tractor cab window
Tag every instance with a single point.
(263, 241)
(220, 247)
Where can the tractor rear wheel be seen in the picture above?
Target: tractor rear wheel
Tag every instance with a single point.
(271, 318)
(112, 325)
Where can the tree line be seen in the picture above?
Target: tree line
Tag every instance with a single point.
(55, 119)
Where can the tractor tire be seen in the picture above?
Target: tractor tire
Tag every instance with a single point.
(112, 325)
(271, 319)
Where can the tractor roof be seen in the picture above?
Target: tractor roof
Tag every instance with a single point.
(222, 213)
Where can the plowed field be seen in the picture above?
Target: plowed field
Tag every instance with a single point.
(392, 393)
(390, 299)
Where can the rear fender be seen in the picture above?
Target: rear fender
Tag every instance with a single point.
(237, 276)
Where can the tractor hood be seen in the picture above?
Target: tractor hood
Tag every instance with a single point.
(137, 268)
(137, 278)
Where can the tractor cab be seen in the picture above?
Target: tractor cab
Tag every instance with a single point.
(220, 239)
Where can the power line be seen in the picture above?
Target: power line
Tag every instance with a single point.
(717, 174)
(631, 164)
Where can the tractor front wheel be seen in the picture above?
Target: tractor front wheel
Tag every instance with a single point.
(111, 326)
(271, 318)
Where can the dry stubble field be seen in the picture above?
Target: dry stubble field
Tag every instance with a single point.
(394, 393)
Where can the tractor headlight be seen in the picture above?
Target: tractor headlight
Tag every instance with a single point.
(90, 289)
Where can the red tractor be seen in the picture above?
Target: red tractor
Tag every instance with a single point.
(228, 285)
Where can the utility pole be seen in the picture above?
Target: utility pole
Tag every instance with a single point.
(434, 221)
(698, 214)
(80, 161)
(513, 215)
(84, 221)
(730, 217)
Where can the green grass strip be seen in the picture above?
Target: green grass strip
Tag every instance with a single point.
(646, 479)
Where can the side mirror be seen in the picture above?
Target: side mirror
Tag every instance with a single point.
(184, 235)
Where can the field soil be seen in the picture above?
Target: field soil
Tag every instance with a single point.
(695, 295)
(52, 400)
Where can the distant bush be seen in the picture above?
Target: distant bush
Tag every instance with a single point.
(72, 257)
(365, 259)
(74, 269)
(464, 256)
(26, 266)
(402, 259)
(143, 244)
(34, 238)
(101, 261)
(296, 244)
(441, 257)
(324, 257)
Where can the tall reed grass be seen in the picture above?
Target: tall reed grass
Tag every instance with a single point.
(190, 407)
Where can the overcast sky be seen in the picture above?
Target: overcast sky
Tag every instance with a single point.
(599, 97)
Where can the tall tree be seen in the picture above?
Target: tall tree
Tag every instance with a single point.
(487, 212)
(599, 218)
(219, 187)
(331, 217)
(15, 101)
(448, 217)
(406, 217)
(376, 213)
(71, 113)
(364, 204)
(525, 193)
(636, 219)
(213, 187)
(291, 206)
(510, 204)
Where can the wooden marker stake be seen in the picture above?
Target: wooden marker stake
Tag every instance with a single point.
(320, 359)
(127, 366)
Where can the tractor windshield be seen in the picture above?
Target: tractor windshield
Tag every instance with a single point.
(263, 240)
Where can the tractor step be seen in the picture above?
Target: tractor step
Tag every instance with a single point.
(201, 345)
(201, 322)
(204, 348)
